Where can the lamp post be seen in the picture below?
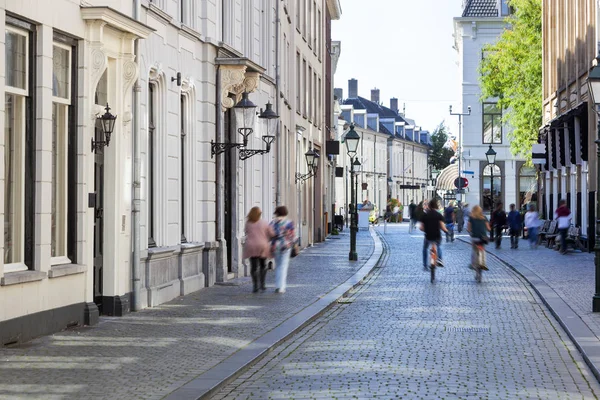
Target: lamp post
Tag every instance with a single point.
(459, 150)
(352, 140)
(594, 89)
(491, 159)
(434, 175)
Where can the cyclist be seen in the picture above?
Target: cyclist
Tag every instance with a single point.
(478, 228)
(431, 223)
(450, 220)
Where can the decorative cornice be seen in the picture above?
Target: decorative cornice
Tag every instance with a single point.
(116, 20)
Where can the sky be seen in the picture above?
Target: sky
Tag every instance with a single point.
(403, 48)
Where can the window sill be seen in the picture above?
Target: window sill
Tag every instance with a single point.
(65, 270)
(15, 278)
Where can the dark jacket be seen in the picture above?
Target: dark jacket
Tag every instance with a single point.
(498, 218)
(514, 220)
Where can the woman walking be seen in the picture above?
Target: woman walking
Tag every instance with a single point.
(257, 246)
(282, 242)
(532, 222)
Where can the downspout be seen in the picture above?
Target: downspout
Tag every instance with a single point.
(136, 303)
(276, 101)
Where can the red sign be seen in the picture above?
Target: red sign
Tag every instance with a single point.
(463, 184)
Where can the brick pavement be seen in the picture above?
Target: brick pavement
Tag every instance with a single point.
(398, 336)
(151, 353)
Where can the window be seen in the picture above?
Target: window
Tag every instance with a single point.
(527, 185)
(320, 104)
(19, 140)
(359, 120)
(319, 33)
(183, 117)
(305, 90)
(298, 14)
(490, 174)
(61, 101)
(310, 25)
(314, 109)
(150, 157)
(298, 84)
(309, 105)
(505, 9)
(492, 123)
(315, 27)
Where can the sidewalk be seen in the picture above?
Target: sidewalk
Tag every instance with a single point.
(566, 284)
(197, 340)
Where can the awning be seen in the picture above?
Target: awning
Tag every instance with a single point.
(446, 178)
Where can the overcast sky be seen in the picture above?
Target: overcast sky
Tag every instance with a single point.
(404, 48)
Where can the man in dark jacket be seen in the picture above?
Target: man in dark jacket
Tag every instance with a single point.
(498, 223)
(514, 226)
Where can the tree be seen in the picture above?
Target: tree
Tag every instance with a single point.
(511, 70)
(440, 155)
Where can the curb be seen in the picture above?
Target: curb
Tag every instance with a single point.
(579, 332)
(210, 382)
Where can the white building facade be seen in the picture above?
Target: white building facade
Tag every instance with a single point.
(154, 211)
(482, 23)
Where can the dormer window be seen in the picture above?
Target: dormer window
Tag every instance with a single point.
(505, 9)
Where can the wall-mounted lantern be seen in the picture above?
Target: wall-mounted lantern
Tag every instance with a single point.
(270, 127)
(312, 161)
(245, 116)
(107, 124)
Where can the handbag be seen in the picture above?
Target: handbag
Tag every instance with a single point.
(295, 250)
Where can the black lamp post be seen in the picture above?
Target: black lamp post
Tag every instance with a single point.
(434, 175)
(594, 89)
(352, 140)
(107, 124)
(491, 159)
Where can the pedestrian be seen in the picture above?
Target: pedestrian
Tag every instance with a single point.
(257, 247)
(532, 222)
(498, 223)
(396, 211)
(514, 226)
(460, 218)
(563, 216)
(449, 220)
(466, 213)
(412, 208)
(281, 245)
(432, 222)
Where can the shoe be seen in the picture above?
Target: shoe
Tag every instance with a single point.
(279, 290)
(440, 263)
(484, 268)
(471, 266)
(425, 268)
(255, 290)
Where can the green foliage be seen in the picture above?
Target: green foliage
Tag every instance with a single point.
(512, 71)
(440, 155)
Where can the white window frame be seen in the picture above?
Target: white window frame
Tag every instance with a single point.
(20, 95)
(62, 142)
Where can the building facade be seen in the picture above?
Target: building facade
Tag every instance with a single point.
(393, 152)
(570, 46)
(97, 224)
(482, 23)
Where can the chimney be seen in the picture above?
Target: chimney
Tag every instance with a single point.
(339, 93)
(375, 95)
(352, 88)
(394, 104)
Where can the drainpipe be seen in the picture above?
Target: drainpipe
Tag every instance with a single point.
(276, 101)
(136, 303)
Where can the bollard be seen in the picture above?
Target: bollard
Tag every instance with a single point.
(384, 225)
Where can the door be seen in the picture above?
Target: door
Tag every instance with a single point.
(98, 222)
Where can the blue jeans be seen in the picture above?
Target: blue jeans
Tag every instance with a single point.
(282, 261)
(426, 244)
(532, 233)
(450, 227)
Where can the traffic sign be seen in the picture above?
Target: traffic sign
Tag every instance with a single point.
(469, 172)
(463, 184)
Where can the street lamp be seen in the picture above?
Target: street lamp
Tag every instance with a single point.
(107, 123)
(352, 140)
(594, 89)
(312, 161)
(459, 150)
(245, 117)
(491, 159)
(434, 175)
(270, 127)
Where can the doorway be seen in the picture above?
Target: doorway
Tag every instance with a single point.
(229, 199)
(98, 221)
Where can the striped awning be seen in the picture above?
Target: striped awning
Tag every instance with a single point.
(446, 178)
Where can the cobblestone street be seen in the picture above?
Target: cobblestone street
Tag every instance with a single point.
(151, 353)
(398, 336)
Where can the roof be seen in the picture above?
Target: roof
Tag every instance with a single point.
(481, 8)
(360, 103)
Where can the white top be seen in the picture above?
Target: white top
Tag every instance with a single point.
(532, 219)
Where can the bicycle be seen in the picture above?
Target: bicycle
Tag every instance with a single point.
(433, 260)
(478, 260)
